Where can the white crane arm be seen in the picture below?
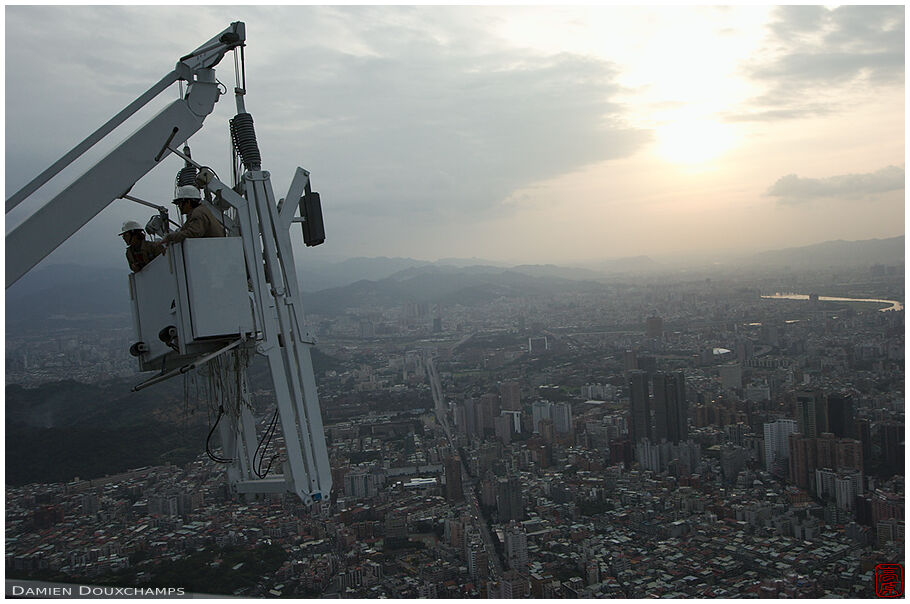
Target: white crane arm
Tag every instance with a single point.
(47, 228)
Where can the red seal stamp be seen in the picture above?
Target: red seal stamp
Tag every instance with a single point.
(889, 580)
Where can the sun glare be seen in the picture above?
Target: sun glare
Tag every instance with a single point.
(693, 142)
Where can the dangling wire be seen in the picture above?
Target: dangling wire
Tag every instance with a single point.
(226, 390)
(263, 447)
(214, 396)
(208, 450)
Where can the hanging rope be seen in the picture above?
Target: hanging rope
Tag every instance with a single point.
(226, 391)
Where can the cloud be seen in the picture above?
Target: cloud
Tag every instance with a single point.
(793, 190)
(405, 116)
(438, 127)
(815, 53)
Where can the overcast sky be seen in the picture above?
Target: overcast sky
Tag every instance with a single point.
(525, 135)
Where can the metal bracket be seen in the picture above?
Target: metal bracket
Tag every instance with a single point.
(181, 370)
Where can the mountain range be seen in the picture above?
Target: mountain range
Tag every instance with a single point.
(72, 292)
(837, 254)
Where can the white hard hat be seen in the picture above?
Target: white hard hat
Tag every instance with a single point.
(187, 192)
(130, 225)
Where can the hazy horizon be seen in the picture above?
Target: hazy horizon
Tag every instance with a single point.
(668, 261)
(519, 135)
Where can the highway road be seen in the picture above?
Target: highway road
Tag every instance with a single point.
(469, 486)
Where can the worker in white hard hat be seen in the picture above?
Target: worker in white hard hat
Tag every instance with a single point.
(199, 220)
(139, 252)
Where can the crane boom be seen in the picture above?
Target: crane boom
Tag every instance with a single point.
(47, 228)
(210, 301)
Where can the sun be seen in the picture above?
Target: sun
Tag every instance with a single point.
(694, 142)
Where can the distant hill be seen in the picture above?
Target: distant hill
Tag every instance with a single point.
(74, 291)
(319, 276)
(60, 430)
(629, 264)
(441, 285)
(315, 277)
(836, 254)
(68, 289)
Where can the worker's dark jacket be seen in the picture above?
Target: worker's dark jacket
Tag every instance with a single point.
(147, 251)
(200, 223)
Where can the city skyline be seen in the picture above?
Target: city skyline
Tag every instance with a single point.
(517, 445)
(523, 135)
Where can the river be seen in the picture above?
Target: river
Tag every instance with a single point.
(895, 305)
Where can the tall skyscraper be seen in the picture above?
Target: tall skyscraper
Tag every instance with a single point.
(891, 436)
(654, 327)
(508, 499)
(517, 547)
(472, 418)
(670, 407)
(503, 428)
(454, 490)
(808, 412)
(540, 410)
(489, 409)
(639, 406)
(510, 392)
(562, 418)
(802, 460)
(864, 435)
(777, 434)
(841, 415)
(849, 454)
(826, 451)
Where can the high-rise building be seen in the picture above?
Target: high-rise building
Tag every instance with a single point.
(847, 487)
(510, 393)
(890, 531)
(639, 406)
(396, 524)
(777, 434)
(824, 483)
(477, 559)
(459, 417)
(841, 415)
(509, 504)
(849, 454)
(826, 451)
(809, 410)
(648, 364)
(454, 489)
(472, 417)
(502, 427)
(517, 548)
(802, 460)
(513, 585)
(489, 409)
(864, 434)
(731, 375)
(891, 437)
(654, 327)
(540, 410)
(547, 430)
(427, 591)
(670, 407)
(733, 460)
(562, 418)
(454, 532)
